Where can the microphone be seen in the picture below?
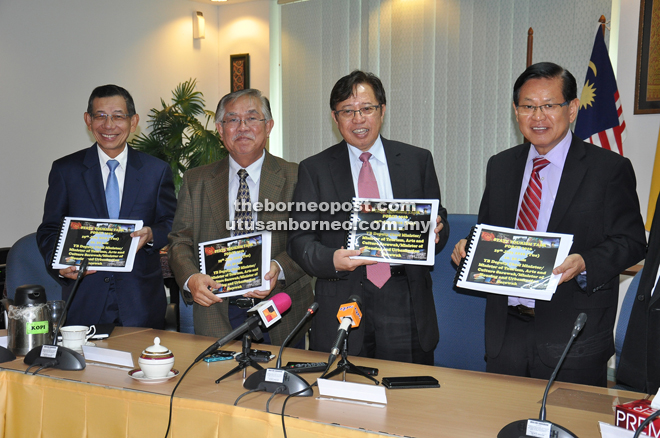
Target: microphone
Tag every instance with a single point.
(310, 312)
(52, 356)
(272, 379)
(280, 303)
(521, 428)
(349, 316)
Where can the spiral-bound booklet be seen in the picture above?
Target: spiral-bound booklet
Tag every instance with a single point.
(394, 230)
(107, 243)
(513, 262)
(239, 263)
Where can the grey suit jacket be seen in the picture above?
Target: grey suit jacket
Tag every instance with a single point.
(202, 213)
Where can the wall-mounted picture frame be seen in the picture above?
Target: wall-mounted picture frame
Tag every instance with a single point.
(647, 84)
(239, 66)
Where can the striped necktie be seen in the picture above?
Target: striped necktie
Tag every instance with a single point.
(531, 204)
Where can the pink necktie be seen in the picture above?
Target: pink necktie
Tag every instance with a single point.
(531, 204)
(379, 273)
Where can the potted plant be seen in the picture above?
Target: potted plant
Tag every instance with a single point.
(178, 137)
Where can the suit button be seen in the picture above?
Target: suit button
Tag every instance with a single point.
(106, 279)
(640, 298)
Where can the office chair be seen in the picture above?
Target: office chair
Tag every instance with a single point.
(624, 316)
(25, 265)
(461, 312)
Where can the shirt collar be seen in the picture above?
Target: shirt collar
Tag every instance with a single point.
(376, 150)
(557, 155)
(253, 170)
(122, 157)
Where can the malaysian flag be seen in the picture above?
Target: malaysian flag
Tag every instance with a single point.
(600, 118)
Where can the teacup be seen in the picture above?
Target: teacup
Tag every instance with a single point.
(75, 336)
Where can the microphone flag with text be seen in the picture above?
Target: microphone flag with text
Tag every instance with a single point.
(261, 314)
(270, 311)
(349, 316)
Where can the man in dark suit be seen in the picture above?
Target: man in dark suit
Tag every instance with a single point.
(206, 209)
(639, 363)
(399, 320)
(586, 191)
(144, 191)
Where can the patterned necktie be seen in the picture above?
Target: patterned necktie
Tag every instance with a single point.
(112, 190)
(379, 273)
(243, 214)
(531, 204)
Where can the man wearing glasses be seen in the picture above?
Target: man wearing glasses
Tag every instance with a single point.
(111, 180)
(399, 320)
(557, 183)
(208, 198)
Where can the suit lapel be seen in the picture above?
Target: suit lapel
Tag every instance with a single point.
(513, 185)
(132, 183)
(94, 181)
(396, 169)
(574, 170)
(271, 182)
(340, 169)
(217, 192)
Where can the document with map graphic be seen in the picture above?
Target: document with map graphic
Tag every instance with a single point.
(513, 262)
(107, 243)
(399, 231)
(238, 263)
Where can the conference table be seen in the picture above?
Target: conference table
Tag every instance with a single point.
(104, 401)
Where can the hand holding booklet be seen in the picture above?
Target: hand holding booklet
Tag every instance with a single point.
(394, 230)
(238, 263)
(107, 244)
(513, 262)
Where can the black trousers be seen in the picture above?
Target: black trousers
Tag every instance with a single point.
(519, 356)
(390, 329)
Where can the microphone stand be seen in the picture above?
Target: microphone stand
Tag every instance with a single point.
(344, 366)
(271, 380)
(244, 360)
(53, 356)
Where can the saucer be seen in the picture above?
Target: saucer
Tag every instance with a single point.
(78, 350)
(138, 375)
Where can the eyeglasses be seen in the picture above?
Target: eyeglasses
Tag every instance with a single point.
(547, 109)
(235, 122)
(364, 112)
(117, 118)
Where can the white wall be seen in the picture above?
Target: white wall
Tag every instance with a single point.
(53, 53)
(244, 28)
(642, 129)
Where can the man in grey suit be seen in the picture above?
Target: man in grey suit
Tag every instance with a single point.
(206, 203)
(399, 321)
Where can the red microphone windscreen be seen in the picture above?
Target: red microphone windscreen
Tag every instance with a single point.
(282, 301)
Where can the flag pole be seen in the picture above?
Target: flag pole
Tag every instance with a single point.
(530, 46)
(602, 20)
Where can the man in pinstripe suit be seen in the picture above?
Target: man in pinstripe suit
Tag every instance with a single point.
(206, 203)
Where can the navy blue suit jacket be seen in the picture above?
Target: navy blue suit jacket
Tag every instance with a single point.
(75, 189)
